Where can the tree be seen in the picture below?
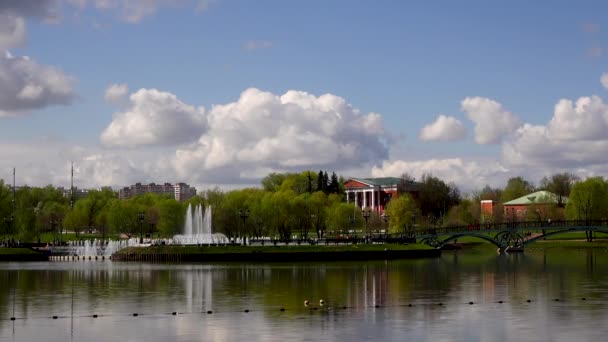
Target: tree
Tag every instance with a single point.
(171, 217)
(588, 200)
(516, 187)
(321, 183)
(405, 182)
(559, 184)
(403, 212)
(436, 196)
(122, 217)
(334, 186)
(344, 218)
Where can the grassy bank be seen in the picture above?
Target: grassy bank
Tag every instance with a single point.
(274, 253)
(21, 254)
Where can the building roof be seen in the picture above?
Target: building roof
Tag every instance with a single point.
(539, 197)
(384, 181)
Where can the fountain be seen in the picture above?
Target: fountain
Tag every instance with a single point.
(93, 247)
(197, 228)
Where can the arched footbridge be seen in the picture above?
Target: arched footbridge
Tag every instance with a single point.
(511, 234)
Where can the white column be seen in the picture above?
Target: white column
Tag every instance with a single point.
(347, 196)
(373, 197)
(364, 199)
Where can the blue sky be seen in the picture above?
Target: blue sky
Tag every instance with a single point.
(406, 61)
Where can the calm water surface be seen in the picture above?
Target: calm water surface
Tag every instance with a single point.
(377, 296)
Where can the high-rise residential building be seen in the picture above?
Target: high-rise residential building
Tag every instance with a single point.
(179, 191)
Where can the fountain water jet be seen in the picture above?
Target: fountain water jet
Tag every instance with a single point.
(197, 228)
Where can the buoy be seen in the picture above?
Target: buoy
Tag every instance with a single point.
(12, 318)
(135, 314)
(376, 306)
(529, 301)
(54, 317)
(583, 298)
(321, 302)
(174, 313)
(95, 316)
(306, 303)
(315, 308)
(344, 307)
(209, 312)
(500, 302)
(410, 305)
(282, 309)
(440, 304)
(557, 299)
(246, 310)
(471, 303)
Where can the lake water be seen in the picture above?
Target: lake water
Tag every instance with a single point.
(376, 295)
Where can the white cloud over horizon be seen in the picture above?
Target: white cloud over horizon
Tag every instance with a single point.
(291, 131)
(154, 117)
(492, 121)
(444, 128)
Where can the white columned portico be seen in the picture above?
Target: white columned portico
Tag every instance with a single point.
(373, 197)
(364, 199)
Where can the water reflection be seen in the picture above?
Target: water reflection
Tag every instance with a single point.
(377, 295)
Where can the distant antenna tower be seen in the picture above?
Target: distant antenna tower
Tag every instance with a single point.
(72, 189)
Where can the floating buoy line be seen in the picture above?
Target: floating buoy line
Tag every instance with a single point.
(323, 307)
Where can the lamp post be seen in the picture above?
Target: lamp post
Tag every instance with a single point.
(140, 217)
(385, 218)
(244, 214)
(366, 214)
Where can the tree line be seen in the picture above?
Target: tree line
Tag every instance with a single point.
(301, 205)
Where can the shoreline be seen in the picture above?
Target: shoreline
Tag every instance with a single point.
(21, 254)
(274, 253)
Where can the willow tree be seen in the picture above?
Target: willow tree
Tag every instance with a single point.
(402, 212)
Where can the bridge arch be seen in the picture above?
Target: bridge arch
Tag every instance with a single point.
(476, 235)
(568, 230)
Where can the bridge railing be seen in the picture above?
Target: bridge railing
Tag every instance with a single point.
(514, 225)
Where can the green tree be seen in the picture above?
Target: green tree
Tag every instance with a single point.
(559, 184)
(171, 217)
(344, 219)
(588, 200)
(436, 196)
(516, 187)
(403, 212)
(122, 217)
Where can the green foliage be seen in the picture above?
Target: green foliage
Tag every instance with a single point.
(559, 184)
(516, 187)
(345, 219)
(171, 219)
(403, 212)
(437, 197)
(588, 200)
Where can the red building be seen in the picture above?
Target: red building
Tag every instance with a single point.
(375, 193)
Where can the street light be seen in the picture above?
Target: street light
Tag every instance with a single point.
(140, 217)
(366, 214)
(244, 214)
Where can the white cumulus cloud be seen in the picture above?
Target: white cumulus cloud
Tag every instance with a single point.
(155, 117)
(133, 11)
(575, 137)
(585, 120)
(468, 174)
(12, 31)
(492, 120)
(292, 131)
(604, 80)
(116, 93)
(444, 128)
(26, 85)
